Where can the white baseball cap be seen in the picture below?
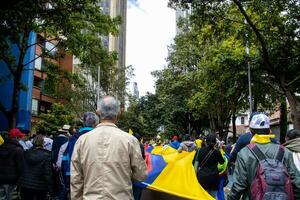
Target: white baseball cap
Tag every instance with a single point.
(260, 121)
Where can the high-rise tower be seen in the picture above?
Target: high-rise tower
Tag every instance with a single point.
(117, 43)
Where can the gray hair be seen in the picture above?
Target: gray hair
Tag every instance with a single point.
(90, 119)
(109, 108)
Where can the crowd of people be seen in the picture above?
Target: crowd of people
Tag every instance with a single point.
(39, 167)
(100, 161)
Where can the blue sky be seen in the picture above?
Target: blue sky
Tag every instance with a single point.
(151, 27)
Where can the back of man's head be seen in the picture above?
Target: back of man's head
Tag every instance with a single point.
(109, 108)
(260, 124)
(90, 119)
(211, 139)
(293, 134)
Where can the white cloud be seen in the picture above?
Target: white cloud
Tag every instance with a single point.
(150, 29)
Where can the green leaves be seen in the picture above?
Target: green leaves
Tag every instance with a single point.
(54, 119)
(208, 62)
(75, 27)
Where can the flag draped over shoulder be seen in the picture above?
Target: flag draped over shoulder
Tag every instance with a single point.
(173, 173)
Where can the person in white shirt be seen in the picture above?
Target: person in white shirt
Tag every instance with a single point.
(48, 143)
(25, 143)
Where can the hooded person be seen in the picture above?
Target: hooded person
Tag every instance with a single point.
(247, 160)
(36, 179)
(293, 144)
(187, 144)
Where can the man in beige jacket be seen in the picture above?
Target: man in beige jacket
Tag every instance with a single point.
(106, 160)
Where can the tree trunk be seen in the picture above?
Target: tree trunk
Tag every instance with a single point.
(211, 122)
(12, 117)
(295, 108)
(233, 128)
(254, 105)
(283, 120)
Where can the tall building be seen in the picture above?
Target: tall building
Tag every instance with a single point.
(135, 90)
(117, 43)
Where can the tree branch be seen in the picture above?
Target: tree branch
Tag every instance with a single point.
(256, 31)
(232, 20)
(293, 81)
(38, 43)
(276, 89)
(40, 55)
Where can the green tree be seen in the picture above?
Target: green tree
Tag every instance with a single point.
(151, 114)
(131, 119)
(271, 27)
(207, 73)
(54, 119)
(75, 26)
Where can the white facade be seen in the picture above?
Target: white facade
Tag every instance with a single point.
(241, 119)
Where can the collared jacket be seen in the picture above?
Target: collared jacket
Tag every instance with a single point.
(104, 164)
(294, 162)
(245, 169)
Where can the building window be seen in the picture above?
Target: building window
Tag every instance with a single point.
(242, 120)
(34, 107)
(40, 39)
(42, 108)
(51, 48)
(37, 83)
(38, 62)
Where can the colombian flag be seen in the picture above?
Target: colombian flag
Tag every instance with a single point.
(172, 173)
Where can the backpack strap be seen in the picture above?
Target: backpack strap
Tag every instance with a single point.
(259, 155)
(206, 158)
(280, 153)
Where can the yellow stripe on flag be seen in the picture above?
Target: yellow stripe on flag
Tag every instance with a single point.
(178, 177)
